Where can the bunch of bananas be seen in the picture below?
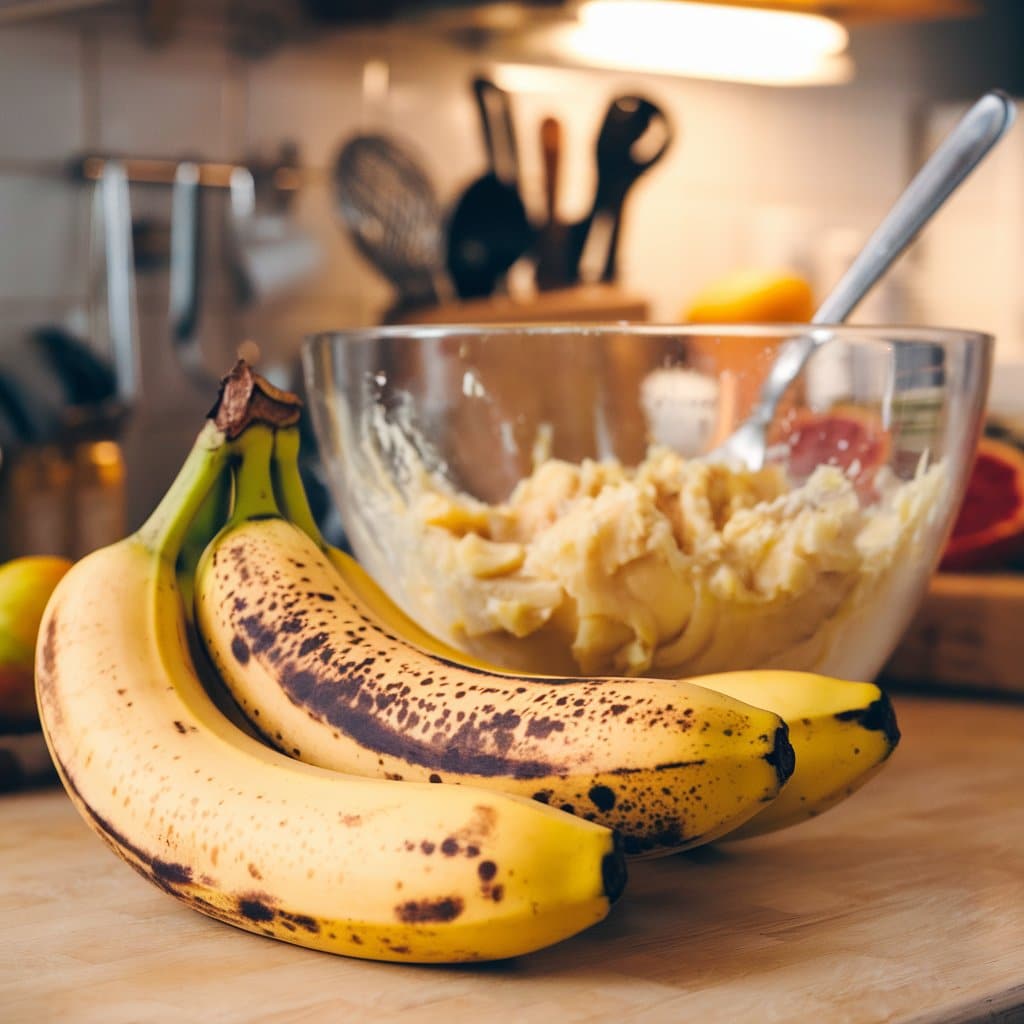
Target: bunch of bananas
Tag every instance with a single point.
(232, 724)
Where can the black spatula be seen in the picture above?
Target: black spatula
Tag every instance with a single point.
(633, 138)
(489, 229)
(389, 207)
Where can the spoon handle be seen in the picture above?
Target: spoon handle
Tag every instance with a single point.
(958, 154)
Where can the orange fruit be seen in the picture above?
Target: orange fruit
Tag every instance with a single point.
(753, 296)
(738, 361)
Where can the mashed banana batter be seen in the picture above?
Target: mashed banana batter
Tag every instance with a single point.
(675, 567)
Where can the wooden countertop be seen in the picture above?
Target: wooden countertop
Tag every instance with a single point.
(906, 904)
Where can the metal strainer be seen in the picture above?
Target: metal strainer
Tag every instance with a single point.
(392, 213)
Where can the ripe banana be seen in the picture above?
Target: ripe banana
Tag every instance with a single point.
(842, 732)
(261, 841)
(667, 764)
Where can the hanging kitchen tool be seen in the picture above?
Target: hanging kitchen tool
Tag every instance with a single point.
(98, 477)
(184, 293)
(391, 211)
(72, 384)
(552, 244)
(634, 136)
(489, 229)
(112, 231)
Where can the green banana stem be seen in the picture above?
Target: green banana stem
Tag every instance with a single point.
(164, 532)
(212, 515)
(288, 486)
(243, 419)
(254, 491)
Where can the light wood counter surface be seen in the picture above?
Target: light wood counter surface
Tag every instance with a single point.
(906, 904)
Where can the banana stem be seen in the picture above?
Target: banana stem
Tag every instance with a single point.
(242, 423)
(163, 533)
(288, 486)
(254, 491)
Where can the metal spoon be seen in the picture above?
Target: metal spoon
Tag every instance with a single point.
(959, 153)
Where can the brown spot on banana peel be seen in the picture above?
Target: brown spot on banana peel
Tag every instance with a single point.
(878, 716)
(46, 669)
(49, 647)
(255, 909)
(429, 911)
(240, 650)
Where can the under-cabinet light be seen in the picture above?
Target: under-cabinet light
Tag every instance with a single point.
(707, 40)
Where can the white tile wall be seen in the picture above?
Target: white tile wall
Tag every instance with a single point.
(43, 242)
(165, 102)
(973, 255)
(826, 158)
(41, 93)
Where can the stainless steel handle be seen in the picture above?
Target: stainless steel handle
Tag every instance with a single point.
(113, 207)
(185, 296)
(183, 299)
(241, 211)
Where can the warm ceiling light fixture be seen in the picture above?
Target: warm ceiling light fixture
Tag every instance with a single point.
(708, 40)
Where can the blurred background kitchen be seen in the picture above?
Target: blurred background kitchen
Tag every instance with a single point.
(184, 181)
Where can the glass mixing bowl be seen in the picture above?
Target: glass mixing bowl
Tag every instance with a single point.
(537, 494)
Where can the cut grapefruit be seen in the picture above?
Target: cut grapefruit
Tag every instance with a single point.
(989, 528)
(849, 437)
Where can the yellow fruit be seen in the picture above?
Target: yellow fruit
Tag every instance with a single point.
(248, 836)
(25, 586)
(753, 296)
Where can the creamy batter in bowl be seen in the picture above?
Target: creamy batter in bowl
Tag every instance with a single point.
(532, 494)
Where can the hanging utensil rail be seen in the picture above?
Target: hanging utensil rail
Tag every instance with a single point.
(283, 178)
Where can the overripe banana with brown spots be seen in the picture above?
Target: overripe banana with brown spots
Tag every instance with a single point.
(247, 836)
(667, 764)
(842, 732)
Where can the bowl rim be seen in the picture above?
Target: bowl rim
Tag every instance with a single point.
(893, 333)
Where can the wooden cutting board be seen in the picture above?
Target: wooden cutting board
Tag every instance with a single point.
(904, 905)
(968, 634)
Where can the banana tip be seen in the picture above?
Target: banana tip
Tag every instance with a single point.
(878, 716)
(613, 871)
(782, 757)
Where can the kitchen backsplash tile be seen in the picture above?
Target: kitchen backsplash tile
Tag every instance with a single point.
(43, 238)
(172, 102)
(972, 257)
(41, 101)
(310, 98)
